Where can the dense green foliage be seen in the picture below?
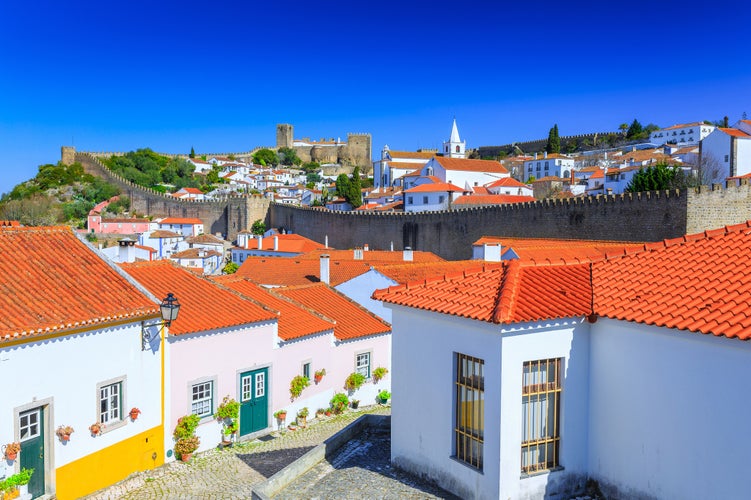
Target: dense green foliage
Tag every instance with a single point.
(146, 168)
(350, 188)
(258, 227)
(230, 268)
(288, 156)
(265, 157)
(554, 140)
(658, 177)
(58, 194)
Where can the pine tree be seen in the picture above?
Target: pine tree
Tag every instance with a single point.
(355, 189)
(192, 152)
(554, 140)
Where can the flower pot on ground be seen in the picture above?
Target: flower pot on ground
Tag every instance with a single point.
(318, 375)
(354, 381)
(339, 403)
(280, 415)
(185, 447)
(379, 373)
(134, 412)
(320, 412)
(302, 417)
(11, 450)
(355, 403)
(63, 432)
(383, 397)
(96, 428)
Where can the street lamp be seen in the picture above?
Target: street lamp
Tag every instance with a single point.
(169, 308)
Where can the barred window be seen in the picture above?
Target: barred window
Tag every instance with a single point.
(469, 425)
(541, 402)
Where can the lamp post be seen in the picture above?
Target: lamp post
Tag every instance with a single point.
(169, 309)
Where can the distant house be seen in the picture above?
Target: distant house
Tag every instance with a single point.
(279, 245)
(463, 172)
(200, 259)
(395, 164)
(184, 226)
(726, 152)
(490, 200)
(431, 197)
(690, 133)
(548, 165)
(188, 193)
(165, 243)
(114, 225)
(510, 186)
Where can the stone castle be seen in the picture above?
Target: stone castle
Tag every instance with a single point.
(355, 152)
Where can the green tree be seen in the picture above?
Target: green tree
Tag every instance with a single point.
(192, 153)
(265, 157)
(230, 268)
(258, 227)
(288, 156)
(657, 177)
(634, 130)
(342, 186)
(355, 189)
(623, 127)
(554, 140)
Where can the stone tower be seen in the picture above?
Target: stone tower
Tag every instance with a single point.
(359, 150)
(68, 155)
(284, 135)
(454, 147)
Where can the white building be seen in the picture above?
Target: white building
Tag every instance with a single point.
(545, 377)
(726, 152)
(454, 147)
(431, 197)
(395, 164)
(460, 172)
(686, 133)
(548, 165)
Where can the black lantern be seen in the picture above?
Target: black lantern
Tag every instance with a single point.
(169, 308)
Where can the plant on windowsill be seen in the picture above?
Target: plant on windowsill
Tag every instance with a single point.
(318, 375)
(228, 412)
(379, 373)
(383, 397)
(339, 403)
(11, 450)
(63, 432)
(96, 428)
(297, 385)
(354, 381)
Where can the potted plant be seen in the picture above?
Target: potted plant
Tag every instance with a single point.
(320, 412)
(379, 373)
(318, 375)
(20, 481)
(11, 450)
(228, 412)
(383, 396)
(229, 432)
(280, 415)
(63, 432)
(327, 412)
(339, 403)
(354, 403)
(96, 428)
(354, 381)
(184, 447)
(134, 412)
(297, 385)
(302, 417)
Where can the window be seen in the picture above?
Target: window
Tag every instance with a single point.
(469, 424)
(457, 149)
(362, 364)
(111, 403)
(425, 200)
(541, 402)
(726, 158)
(28, 424)
(441, 198)
(306, 370)
(409, 200)
(530, 168)
(201, 401)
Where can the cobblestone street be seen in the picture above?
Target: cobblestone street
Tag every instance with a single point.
(232, 473)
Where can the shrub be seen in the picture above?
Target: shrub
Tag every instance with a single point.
(303, 413)
(354, 381)
(384, 395)
(339, 402)
(186, 427)
(297, 385)
(379, 373)
(187, 445)
(229, 408)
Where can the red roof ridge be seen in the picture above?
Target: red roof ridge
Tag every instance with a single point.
(506, 301)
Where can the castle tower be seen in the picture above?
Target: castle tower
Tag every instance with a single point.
(68, 155)
(284, 135)
(454, 147)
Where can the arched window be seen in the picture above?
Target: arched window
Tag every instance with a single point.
(457, 149)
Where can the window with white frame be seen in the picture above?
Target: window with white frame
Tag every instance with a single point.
(306, 370)
(362, 364)
(469, 421)
(202, 399)
(541, 404)
(111, 403)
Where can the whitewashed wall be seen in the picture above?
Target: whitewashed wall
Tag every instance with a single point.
(362, 287)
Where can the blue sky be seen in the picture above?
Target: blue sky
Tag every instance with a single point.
(218, 76)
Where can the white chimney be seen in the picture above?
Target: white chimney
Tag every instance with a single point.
(492, 252)
(365, 247)
(535, 156)
(276, 243)
(326, 241)
(358, 254)
(325, 268)
(408, 255)
(259, 238)
(127, 252)
(545, 154)
(392, 246)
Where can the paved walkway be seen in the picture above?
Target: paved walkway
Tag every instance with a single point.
(232, 473)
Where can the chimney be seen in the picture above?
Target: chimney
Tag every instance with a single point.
(259, 238)
(365, 247)
(326, 241)
(392, 246)
(408, 255)
(545, 154)
(358, 253)
(127, 252)
(535, 156)
(276, 243)
(492, 252)
(325, 268)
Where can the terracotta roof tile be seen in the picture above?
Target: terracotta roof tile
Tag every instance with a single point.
(180, 220)
(412, 154)
(205, 238)
(352, 320)
(467, 165)
(295, 320)
(411, 272)
(288, 243)
(506, 181)
(204, 305)
(371, 256)
(735, 132)
(435, 187)
(163, 233)
(51, 281)
(277, 271)
(542, 250)
(195, 253)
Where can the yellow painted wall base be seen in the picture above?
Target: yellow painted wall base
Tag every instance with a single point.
(110, 465)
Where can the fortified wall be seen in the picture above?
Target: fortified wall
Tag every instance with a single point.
(357, 151)
(539, 144)
(227, 216)
(651, 216)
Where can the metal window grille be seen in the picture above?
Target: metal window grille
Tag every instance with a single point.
(201, 399)
(541, 402)
(469, 426)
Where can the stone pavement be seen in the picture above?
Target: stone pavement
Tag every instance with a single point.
(232, 473)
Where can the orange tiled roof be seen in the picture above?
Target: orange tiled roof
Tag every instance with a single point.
(205, 238)
(493, 199)
(435, 187)
(467, 165)
(288, 243)
(288, 272)
(163, 233)
(735, 132)
(510, 293)
(372, 256)
(547, 250)
(417, 271)
(352, 320)
(397, 205)
(180, 220)
(194, 253)
(551, 178)
(403, 165)
(506, 181)
(51, 282)
(295, 320)
(204, 305)
(597, 174)
(416, 155)
(684, 125)
(189, 190)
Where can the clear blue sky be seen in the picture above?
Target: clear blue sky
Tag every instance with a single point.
(218, 76)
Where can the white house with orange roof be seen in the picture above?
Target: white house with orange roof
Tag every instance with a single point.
(464, 172)
(395, 164)
(189, 193)
(96, 223)
(181, 225)
(432, 196)
(200, 259)
(277, 245)
(509, 185)
(726, 152)
(685, 133)
(554, 164)
(200, 165)
(550, 377)
(74, 352)
(165, 243)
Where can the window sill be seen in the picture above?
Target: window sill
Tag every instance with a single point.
(541, 472)
(467, 465)
(112, 426)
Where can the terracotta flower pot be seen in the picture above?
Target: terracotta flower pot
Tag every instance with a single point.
(185, 457)
(134, 415)
(11, 456)
(318, 378)
(66, 437)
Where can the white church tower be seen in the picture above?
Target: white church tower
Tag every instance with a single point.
(454, 147)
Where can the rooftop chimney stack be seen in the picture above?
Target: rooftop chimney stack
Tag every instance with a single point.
(365, 247)
(408, 255)
(492, 252)
(325, 268)
(276, 243)
(260, 241)
(326, 241)
(127, 252)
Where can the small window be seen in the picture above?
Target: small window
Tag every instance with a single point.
(362, 364)
(111, 403)
(306, 370)
(469, 400)
(425, 200)
(28, 424)
(441, 198)
(201, 401)
(727, 158)
(530, 168)
(409, 200)
(457, 149)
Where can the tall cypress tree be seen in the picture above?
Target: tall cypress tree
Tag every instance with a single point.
(355, 189)
(554, 141)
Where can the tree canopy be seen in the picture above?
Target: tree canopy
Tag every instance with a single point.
(554, 140)
(288, 156)
(265, 157)
(147, 168)
(658, 177)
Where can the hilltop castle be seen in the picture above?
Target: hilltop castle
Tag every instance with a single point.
(356, 151)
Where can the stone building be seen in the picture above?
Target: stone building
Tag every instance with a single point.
(355, 151)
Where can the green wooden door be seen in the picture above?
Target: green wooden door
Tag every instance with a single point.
(254, 414)
(31, 427)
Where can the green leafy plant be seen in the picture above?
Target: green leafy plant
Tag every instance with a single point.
(354, 381)
(297, 385)
(303, 413)
(229, 408)
(231, 427)
(280, 414)
(379, 373)
(22, 477)
(318, 375)
(186, 427)
(339, 402)
(384, 396)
